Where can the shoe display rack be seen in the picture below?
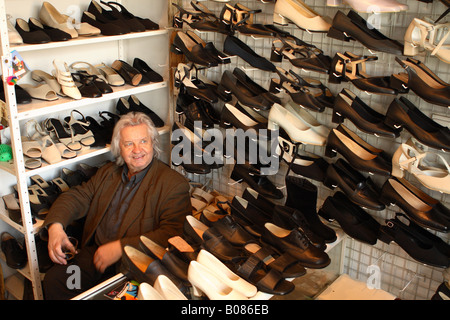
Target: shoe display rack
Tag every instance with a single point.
(398, 272)
(151, 46)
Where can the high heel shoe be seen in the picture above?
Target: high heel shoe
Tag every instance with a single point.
(351, 67)
(64, 78)
(241, 19)
(56, 127)
(349, 105)
(186, 78)
(80, 129)
(205, 281)
(297, 12)
(394, 192)
(402, 113)
(303, 56)
(297, 130)
(130, 74)
(357, 156)
(422, 36)
(353, 27)
(423, 82)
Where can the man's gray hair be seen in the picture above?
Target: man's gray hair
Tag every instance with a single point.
(133, 119)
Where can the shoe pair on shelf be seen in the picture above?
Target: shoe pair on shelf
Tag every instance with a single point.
(197, 110)
(418, 243)
(112, 21)
(430, 168)
(361, 155)
(196, 50)
(422, 81)
(237, 83)
(308, 93)
(34, 32)
(136, 74)
(133, 104)
(353, 27)
(300, 54)
(421, 208)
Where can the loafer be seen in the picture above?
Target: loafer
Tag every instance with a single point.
(359, 189)
(31, 36)
(15, 253)
(355, 222)
(146, 71)
(53, 33)
(250, 217)
(106, 28)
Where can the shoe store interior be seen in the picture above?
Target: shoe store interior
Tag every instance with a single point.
(339, 189)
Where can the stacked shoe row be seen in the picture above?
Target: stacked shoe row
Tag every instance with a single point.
(104, 18)
(234, 249)
(84, 80)
(43, 193)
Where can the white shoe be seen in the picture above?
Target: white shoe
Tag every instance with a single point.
(147, 292)
(205, 281)
(301, 15)
(297, 129)
(64, 78)
(372, 6)
(308, 119)
(225, 274)
(167, 289)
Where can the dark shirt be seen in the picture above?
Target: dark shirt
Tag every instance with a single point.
(111, 221)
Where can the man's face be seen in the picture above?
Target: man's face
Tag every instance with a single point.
(136, 147)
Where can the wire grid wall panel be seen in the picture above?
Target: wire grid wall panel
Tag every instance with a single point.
(400, 274)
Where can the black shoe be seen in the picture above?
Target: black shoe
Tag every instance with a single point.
(148, 24)
(358, 188)
(295, 243)
(355, 222)
(249, 216)
(31, 36)
(194, 110)
(15, 253)
(137, 105)
(132, 22)
(442, 292)
(354, 27)
(146, 71)
(130, 74)
(420, 244)
(256, 180)
(106, 28)
(22, 96)
(194, 52)
(402, 113)
(106, 16)
(394, 192)
(235, 47)
(350, 106)
(53, 33)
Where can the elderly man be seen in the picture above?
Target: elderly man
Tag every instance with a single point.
(137, 195)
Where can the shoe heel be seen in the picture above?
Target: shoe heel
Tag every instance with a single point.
(279, 19)
(235, 176)
(397, 170)
(271, 125)
(273, 87)
(410, 49)
(335, 78)
(337, 117)
(223, 93)
(174, 49)
(330, 152)
(391, 123)
(329, 183)
(275, 56)
(339, 35)
(334, 3)
(396, 83)
(325, 215)
(384, 236)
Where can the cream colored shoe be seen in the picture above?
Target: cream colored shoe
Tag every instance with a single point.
(42, 76)
(147, 292)
(308, 119)
(51, 17)
(301, 15)
(13, 36)
(112, 77)
(64, 78)
(371, 6)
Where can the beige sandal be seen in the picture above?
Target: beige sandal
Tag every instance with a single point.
(41, 91)
(42, 76)
(112, 77)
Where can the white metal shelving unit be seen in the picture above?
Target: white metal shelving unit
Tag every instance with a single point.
(150, 46)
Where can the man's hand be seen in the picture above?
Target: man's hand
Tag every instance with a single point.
(107, 255)
(57, 240)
